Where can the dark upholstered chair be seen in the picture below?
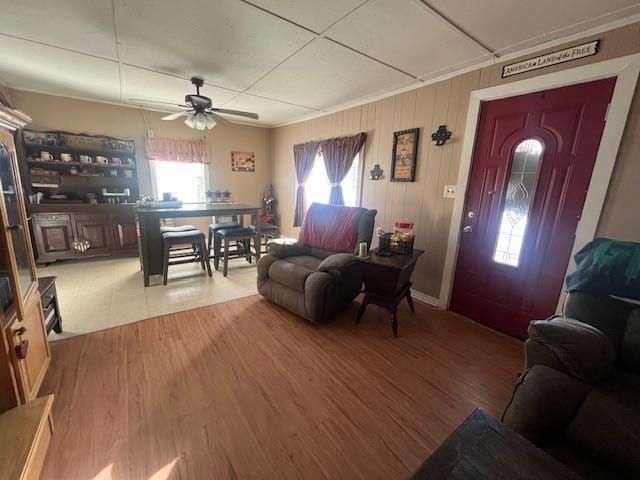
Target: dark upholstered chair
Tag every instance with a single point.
(313, 282)
(579, 398)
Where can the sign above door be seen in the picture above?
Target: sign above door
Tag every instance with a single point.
(553, 58)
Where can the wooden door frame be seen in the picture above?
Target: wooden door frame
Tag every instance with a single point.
(626, 69)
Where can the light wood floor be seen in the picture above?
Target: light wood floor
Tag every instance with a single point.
(246, 390)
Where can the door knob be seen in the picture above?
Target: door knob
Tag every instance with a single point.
(467, 229)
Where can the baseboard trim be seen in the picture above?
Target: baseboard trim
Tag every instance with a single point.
(424, 298)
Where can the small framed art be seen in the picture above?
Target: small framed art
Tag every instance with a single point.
(405, 155)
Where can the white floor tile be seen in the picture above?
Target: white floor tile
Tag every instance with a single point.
(105, 293)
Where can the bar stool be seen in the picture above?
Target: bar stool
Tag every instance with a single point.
(181, 228)
(198, 251)
(242, 236)
(232, 221)
(267, 232)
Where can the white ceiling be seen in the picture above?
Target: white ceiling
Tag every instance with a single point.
(283, 59)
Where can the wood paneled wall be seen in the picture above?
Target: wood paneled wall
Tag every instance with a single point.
(422, 201)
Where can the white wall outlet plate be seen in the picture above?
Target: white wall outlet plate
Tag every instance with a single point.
(150, 133)
(449, 191)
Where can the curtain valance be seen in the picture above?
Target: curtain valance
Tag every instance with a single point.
(176, 150)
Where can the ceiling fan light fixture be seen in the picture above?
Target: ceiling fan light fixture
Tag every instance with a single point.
(200, 121)
(190, 122)
(210, 122)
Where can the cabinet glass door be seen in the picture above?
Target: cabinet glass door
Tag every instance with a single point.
(17, 231)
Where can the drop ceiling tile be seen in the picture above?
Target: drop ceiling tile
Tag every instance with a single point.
(310, 13)
(81, 25)
(31, 66)
(271, 112)
(324, 74)
(404, 34)
(146, 85)
(230, 43)
(519, 25)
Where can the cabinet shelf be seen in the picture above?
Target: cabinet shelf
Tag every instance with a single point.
(57, 164)
(78, 181)
(78, 150)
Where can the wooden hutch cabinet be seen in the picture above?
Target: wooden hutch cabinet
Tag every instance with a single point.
(81, 190)
(24, 352)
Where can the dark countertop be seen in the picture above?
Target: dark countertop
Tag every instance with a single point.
(79, 207)
(198, 208)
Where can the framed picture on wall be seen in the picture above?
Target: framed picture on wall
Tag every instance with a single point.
(405, 155)
(243, 161)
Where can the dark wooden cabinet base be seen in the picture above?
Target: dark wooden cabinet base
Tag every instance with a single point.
(59, 231)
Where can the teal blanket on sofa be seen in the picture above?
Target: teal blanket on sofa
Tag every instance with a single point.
(607, 267)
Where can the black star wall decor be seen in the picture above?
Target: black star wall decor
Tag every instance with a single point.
(441, 135)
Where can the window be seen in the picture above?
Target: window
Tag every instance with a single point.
(185, 181)
(517, 202)
(318, 186)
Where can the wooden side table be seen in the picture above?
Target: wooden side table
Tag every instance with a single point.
(387, 281)
(484, 448)
(50, 306)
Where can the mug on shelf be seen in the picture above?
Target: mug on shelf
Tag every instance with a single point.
(128, 174)
(85, 159)
(46, 156)
(100, 160)
(116, 161)
(66, 157)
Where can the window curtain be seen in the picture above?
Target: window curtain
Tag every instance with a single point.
(304, 156)
(174, 150)
(339, 154)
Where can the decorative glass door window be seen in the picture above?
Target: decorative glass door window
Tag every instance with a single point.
(517, 202)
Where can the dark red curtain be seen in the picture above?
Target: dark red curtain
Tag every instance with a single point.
(304, 156)
(339, 154)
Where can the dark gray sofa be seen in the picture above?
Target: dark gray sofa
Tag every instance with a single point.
(579, 398)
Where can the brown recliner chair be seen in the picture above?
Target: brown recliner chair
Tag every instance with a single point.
(310, 281)
(579, 398)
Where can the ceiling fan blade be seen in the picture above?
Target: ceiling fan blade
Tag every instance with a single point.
(236, 112)
(156, 101)
(219, 119)
(173, 116)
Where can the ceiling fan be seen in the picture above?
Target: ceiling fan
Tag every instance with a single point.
(200, 112)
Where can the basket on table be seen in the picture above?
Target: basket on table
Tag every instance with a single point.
(392, 242)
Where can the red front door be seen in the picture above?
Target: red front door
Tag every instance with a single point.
(531, 169)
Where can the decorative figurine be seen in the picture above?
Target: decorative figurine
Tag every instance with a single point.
(269, 200)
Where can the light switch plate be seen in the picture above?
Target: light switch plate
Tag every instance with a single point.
(449, 191)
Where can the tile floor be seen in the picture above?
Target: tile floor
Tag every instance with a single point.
(104, 293)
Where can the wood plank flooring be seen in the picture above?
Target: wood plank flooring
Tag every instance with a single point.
(247, 390)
